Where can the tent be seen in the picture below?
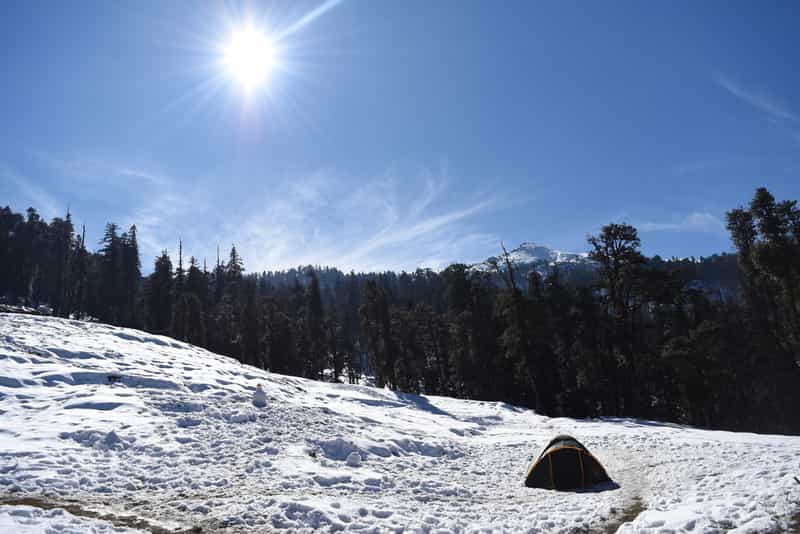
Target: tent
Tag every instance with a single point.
(565, 464)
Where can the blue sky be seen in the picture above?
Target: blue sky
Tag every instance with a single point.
(398, 134)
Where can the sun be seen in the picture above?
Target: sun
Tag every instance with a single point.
(250, 57)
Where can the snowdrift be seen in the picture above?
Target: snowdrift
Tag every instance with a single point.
(131, 425)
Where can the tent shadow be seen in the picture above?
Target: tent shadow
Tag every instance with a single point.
(599, 488)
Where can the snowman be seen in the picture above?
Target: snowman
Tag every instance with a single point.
(259, 397)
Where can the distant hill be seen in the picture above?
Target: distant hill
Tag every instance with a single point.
(716, 274)
(575, 268)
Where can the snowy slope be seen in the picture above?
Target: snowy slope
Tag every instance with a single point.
(132, 425)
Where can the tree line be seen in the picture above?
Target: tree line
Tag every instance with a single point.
(640, 337)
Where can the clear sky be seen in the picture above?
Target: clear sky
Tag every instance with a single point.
(393, 134)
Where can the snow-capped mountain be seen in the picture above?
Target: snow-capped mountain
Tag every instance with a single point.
(531, 256)
(531, 253)
(151, 433)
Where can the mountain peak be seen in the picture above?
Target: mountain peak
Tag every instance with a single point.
(538, 256)
(531, 251)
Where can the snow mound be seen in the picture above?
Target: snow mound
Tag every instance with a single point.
(353, 459)
(340, 449)
(130, 423)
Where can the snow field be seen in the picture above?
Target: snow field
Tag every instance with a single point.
(125, 422)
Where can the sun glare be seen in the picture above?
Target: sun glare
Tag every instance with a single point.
(250, 57)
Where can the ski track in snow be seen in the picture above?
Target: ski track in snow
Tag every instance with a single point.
(128, 423)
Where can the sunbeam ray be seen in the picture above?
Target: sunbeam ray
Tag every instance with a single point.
(307, 19)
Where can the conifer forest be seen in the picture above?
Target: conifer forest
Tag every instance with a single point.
(712, 342)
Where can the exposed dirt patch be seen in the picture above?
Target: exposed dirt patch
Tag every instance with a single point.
(794, 523)
(78, 510)
(627, 514)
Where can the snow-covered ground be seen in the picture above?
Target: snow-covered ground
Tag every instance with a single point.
(132, 425)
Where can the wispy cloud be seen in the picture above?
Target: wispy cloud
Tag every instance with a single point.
(133, 193)
(140, 174)
(159, 222)
(702, 222)
(33, 194)
(391, 221)
(91, 168)
(411, 232)
(759, 99)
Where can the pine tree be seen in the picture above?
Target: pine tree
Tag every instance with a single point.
(63, 252)
(33, 252)
(235, 266)
(180, 274)
(196, 281)
(112, 298)
(11, 225)
(314, 329)
(81, 276)
(767, 238)
(335, 345)
(616, 250)
(252, 352)
(131, 276)
(160, 295)
(188, 321)
(218, 280)
(377, 334)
